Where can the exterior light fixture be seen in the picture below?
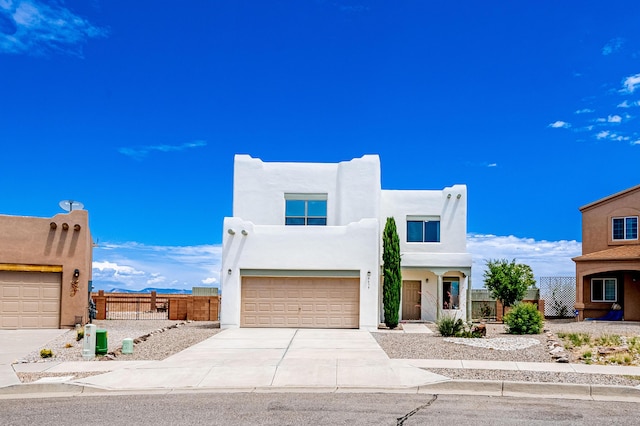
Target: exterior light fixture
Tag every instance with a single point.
(229, 272)
(244, 232)
(231, 231)
(76, 273)
(426, 280)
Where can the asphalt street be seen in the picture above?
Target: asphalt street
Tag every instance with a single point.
(313, 409)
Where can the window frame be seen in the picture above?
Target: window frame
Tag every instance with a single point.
(306, 218)
(625, 228)
(604, 289)
(455, 297)
(423, 234)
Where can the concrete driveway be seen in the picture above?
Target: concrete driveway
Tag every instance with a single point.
(267, 358)
(14, 344)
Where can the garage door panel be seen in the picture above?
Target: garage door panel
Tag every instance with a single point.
(49, 307)
(29, 299)
(10, 307)
(31, 307)
(31, 292)
(300, 302)
(10, 291)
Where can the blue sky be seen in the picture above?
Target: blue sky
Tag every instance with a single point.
(137, 109)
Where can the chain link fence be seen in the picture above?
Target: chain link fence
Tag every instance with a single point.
(559, 295)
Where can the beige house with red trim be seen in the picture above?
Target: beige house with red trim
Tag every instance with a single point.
(608, 271)
(45, 270)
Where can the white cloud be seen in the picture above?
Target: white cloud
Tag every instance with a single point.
(631, 83)
(492, 165)
(560, 125)
(612, 46)
(584, 111)
(614, 119)
(35, 27)
(627, 104)
(141, 152)
(605, 134)
(636, 142)
(546, 258)
(136, 266)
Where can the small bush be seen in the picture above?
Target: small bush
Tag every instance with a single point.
(609, 340)
(524, 318)
(449, 326)
(80, 334)
(575, 339)
(46, 353)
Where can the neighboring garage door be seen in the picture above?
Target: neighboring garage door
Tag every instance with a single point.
(29, 300)
(300, 302)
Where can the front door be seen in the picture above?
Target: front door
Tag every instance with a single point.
(410, 300)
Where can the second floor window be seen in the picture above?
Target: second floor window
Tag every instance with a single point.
(423, 230)
(625, 228)
(307, 210)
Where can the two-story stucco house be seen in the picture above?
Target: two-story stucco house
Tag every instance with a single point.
(608, 271)
(304, 246)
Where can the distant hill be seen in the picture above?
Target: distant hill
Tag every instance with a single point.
(150, 289)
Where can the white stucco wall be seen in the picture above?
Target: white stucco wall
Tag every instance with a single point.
(289, 248)
(450, 204)
(352, 188)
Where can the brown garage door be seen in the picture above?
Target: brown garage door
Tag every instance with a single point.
(29, 300)
(300, 302)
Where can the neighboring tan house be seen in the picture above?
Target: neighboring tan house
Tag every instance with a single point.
(304, 246)
(608, 271)
(45, 269)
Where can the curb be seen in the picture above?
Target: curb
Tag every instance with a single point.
(453, 387)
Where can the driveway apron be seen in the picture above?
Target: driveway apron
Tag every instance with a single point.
(15, 344)
(273, 358)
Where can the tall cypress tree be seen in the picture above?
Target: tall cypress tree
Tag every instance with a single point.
(392, 275)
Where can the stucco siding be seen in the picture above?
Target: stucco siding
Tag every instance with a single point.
(281, 248)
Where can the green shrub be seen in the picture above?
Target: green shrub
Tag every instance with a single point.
(524, 318)
(575, 340)
(469, 333)
(609, 340)
(46, 353)
(449, 326)
(79, 335)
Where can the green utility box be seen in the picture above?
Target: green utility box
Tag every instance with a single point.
(101, 341)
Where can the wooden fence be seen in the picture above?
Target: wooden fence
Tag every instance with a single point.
(150, 306)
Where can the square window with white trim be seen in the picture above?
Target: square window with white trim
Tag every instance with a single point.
(423, 229)
(624, 228)
(305, 209)
(604, 290)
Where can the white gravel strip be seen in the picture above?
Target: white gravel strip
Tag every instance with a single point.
(497, 343)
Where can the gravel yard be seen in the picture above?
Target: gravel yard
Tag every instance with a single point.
(433, 346)
(156, 340)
